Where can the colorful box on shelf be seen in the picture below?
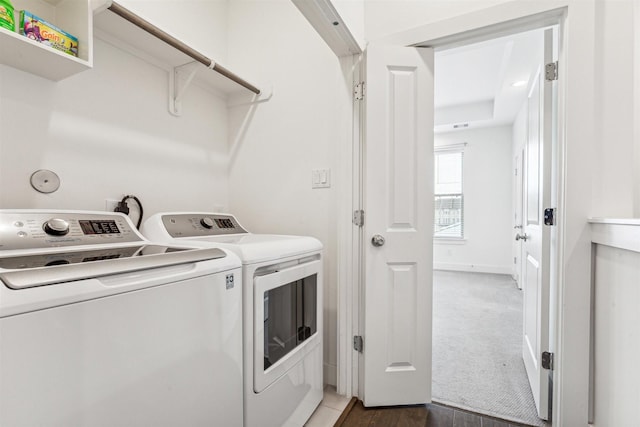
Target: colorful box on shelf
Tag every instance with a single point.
(41, 31)
(6, 15)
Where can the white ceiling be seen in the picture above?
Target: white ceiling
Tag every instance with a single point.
(473, 83)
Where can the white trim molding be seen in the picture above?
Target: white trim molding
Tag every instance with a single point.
(618, 233)
(473, 268)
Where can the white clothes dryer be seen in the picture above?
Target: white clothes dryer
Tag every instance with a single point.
(282, 312)
(100, 327)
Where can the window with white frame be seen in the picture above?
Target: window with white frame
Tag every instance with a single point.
(449, 198)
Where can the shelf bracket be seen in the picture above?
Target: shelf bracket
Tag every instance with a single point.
(176, 90)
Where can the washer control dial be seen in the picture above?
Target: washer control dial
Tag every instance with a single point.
(56, 227)
(207, 222)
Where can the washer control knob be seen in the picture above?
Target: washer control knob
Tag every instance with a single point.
(56, 227)
(206, 222)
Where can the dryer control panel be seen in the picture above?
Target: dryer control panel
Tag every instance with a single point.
(201, 224)
(45, 229)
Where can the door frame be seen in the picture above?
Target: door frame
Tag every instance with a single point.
(518, 203)
(350, 238)
(567, 275)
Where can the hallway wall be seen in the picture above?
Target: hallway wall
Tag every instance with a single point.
(487, 187)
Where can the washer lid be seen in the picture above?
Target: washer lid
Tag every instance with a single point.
(253, 248)
(30, 270)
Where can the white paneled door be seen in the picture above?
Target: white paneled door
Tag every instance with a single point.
(398, 230)
(535, 234)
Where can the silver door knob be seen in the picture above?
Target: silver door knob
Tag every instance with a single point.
(377, 240)
(522, 236)
(518, 227)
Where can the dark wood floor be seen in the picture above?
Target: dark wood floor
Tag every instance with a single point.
(430, 415)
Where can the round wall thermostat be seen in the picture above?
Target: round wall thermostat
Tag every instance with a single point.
(45, 181)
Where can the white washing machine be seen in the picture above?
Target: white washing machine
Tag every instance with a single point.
(282, 306)
(100, 327)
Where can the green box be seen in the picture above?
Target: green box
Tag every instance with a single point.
(6, 15)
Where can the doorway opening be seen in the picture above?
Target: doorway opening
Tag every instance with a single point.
(359, 303)
(485, 98)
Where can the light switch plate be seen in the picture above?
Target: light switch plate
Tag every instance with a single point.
(321, 178)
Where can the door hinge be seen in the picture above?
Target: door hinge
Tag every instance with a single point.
(547, 360)
(358, 218)
(550, 216)
(551, 71)
(358, 91)
(358, 343)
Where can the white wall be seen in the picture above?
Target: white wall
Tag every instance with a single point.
(107, 132)
(200, 24)
(613, 180)
(487, 186)
(385, 17)
(275, 145)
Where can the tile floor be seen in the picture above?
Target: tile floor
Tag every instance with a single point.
(329, 410)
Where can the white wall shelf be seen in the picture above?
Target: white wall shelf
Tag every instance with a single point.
(72, 16)
(130, 32)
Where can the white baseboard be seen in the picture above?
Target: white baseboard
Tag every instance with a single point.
(477, 268)
(330, 374)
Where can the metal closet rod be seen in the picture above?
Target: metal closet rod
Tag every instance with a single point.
(172, 41)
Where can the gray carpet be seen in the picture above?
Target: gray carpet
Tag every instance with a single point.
(477, 346)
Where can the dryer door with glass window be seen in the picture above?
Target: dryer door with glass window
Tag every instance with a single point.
(286, 320)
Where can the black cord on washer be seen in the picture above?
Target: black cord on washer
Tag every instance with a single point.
(124, 208)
